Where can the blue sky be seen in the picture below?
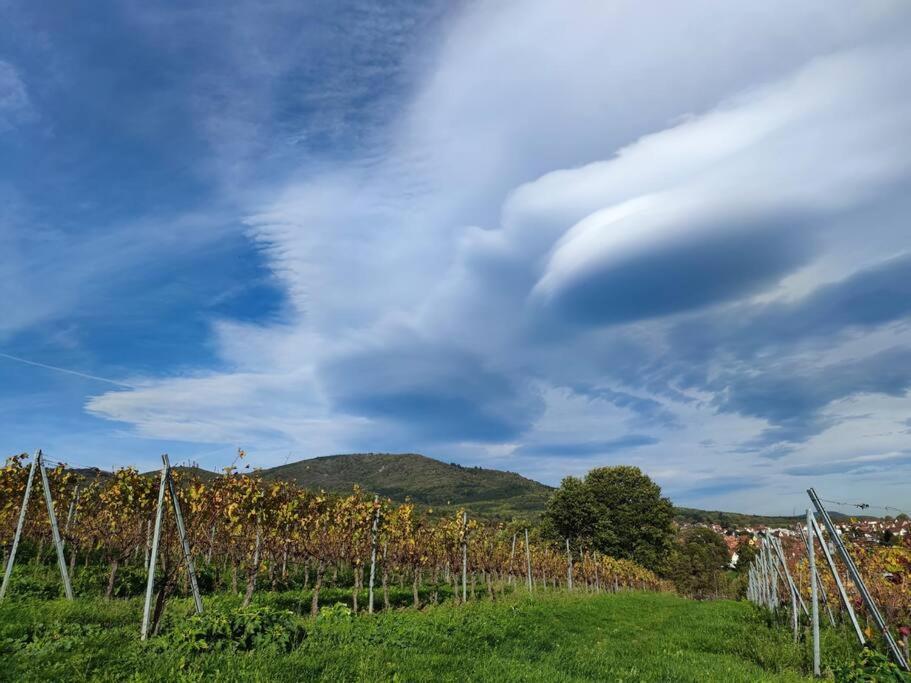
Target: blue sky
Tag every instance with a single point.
(527, 235)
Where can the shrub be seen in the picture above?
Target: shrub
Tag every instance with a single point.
(30, 581)
(235, 630)
(92, 581)
(58, 636)
(870, 666)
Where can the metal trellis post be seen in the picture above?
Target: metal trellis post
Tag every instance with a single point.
(55, 530)
(12, 553)
(784, 565)
(814, 602)
(843, 594)
(859, 582)
(153, 555)
(822, 592)
(182, 532)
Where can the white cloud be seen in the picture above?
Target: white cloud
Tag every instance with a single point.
(15, 104)
(589, 140)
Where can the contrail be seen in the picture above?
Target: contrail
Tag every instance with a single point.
(68, 372)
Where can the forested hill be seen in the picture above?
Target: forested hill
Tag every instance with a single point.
(429, 482)
(739, 520)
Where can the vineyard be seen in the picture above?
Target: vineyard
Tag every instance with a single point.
(246, 533)
(217, 565)
(886, 570)
(863, 591)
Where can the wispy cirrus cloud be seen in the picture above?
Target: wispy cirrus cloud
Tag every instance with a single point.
(15, 104)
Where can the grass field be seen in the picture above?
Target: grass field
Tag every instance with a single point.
(555, 637)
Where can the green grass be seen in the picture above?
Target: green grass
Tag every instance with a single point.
(554, 637)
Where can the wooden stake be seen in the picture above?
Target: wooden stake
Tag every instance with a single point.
(512, 555)
(464, 557)
(528, 561)
(373, 538)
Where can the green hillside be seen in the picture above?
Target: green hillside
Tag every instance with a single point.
(429, 482)
(740, 520)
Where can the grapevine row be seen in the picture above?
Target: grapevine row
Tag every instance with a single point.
(275, 533)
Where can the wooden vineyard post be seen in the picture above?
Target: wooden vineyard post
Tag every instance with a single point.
(569, 567)
(153, 556)
(814, 603)
(858, 580)
(254, 570)
(597, 576)
(373, 537)
(528, 561)
(55, 530)
(464, 557)
(12, 553)
(182, 532)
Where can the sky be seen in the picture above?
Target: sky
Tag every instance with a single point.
(537, 236)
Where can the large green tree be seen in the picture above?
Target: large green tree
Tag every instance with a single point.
(698, 563)
(618, 511)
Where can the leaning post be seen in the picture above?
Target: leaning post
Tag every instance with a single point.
(843, 594)
(55, 530)
(153, 555)
(12, 553)
(182, 531)
(859, 582)
(787, 573)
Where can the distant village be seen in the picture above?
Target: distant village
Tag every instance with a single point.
(886, 531)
